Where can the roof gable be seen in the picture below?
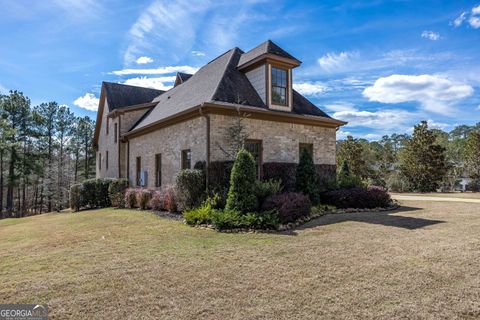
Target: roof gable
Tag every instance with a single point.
(267, 47)
(122, 95)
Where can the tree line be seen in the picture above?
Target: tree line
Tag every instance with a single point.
(43, 150)
(428, 160)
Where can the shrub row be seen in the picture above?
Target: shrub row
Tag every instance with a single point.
(371, 197)
(92, 193)
(159, 200)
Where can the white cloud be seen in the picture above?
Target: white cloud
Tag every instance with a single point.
(387, 118)
(342, 135)
(460, 19)
(435, 93)
(333, 62)
(337, 107)
(155, 83)
(198, 53)
(437, 125)
(160, 70)
(87, 102)
(476, 10)
(312, 89)
(430, 35)
(474, 21)
(3, 90)
(144, 60)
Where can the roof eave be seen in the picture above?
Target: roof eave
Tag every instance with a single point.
(269, 56)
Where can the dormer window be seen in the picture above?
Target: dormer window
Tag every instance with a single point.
(279, 86)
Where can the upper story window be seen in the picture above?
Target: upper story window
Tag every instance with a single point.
(115, 132)
(279, 86)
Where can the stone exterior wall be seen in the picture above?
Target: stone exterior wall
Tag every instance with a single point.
(106, 142)
(169, 142)
(280, 140)
(257, 79)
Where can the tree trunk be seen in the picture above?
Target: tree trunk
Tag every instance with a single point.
(11, 180)
(1, 184)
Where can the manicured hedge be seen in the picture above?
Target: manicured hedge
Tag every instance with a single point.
(290, 206)
(372, 197)
(116, 191)
(190, 184)
(92, 193)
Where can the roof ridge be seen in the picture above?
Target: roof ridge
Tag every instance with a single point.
(129, 85)
(234, 50)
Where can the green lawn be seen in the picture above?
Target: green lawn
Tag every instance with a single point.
(419, 262)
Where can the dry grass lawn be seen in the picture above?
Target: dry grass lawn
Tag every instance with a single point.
(422, 262)
(468, 195)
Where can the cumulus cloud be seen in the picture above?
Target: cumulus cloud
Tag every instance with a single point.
(434, 93)
(430, 35)
(154, 83)
(388, 118)
(312, 89)
(437, 125)
(144, 60)
(332, 61)
(160, 70)
(87, 102)
(198, 53)
(473, 18)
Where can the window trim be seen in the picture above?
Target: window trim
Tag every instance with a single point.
(259, 161)
(158, 170)
(115, 133)
(106, 160)
(107, 125)
(184, 158)
(287, 91)
(99, 161)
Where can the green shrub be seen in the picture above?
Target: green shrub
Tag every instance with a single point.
(306, 177)
(190, 185)
(116, 192)
(241, 194)
(200, 215)
(131, 198)
(76, 197)
(349, 182)
(234, 219)
(264, 189)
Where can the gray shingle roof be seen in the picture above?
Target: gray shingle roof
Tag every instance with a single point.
(266, 47)
(122, 95)
(219, 81)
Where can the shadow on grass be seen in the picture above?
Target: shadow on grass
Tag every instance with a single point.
(386, 218)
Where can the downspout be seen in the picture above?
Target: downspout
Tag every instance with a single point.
(207, 146)
(119, 129)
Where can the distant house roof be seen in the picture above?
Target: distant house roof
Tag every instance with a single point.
(122, 95)
(181, 78)
(267, 47)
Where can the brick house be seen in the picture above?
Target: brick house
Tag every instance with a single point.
(148, 135)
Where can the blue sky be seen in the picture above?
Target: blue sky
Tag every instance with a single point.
(381, 65)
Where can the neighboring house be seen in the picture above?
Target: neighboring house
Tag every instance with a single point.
(148, 135)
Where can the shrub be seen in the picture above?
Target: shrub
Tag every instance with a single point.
(190, 186)
(241, 195)
(349, 182)
(92, 193)
(284, 172)
(373, 197)
(397, 183)
(306, 177)
(473, 186)
(170, 199)
(264, 189)
(156, 203)
(76, 199)
(143, 198)
(116, 192)
(290, 206)
(326, 177)
(234, 219)
(131, 198)
(219, 175)
(200, 215)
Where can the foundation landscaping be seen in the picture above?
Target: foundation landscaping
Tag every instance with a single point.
(248, 204)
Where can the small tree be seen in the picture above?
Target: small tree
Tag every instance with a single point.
(241, 194)
(423, 162)
(472, 155)
(306, 178)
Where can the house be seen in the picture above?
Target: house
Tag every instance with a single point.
(148, 135)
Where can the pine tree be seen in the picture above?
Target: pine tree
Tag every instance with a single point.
(306, 177)
(472, 155)
(423, 162)
(241, 194)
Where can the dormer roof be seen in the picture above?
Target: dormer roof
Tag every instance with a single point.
(181, 78)
(265, 50)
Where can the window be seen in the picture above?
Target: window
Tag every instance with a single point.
(255, 148)
(99, 161)
(138, 166)
(115, 133)
(158, 170)
(108, 124)
(305, 146)
(106, 160)
(279, 86)
(186, 159)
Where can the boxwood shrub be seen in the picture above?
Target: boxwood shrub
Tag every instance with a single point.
(92, 193)
(190, 184)
(116, 191)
